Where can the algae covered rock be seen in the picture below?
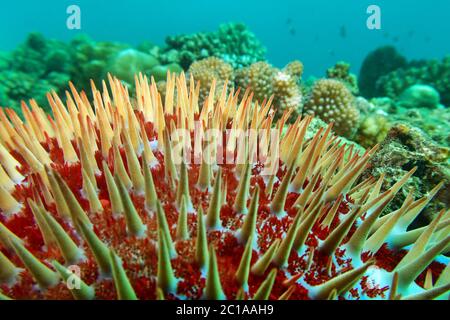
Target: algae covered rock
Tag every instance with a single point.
(403, 149)
(127, 63)
(418, 96)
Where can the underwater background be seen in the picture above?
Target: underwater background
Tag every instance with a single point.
(317, 32)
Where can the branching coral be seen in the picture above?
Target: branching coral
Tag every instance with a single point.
(100, 190)
(331, 101)
(233, 43)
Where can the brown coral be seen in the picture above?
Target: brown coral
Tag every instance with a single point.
(265, 81)
(341, 71)
(287, 93)
(258, 77)
(294, 68)
(206, 71)
(332, 101)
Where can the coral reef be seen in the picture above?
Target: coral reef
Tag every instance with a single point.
(374, 122)
(434, 122)
(294, 69)
(406, 147)
(266, 81)
(106, 188)
(331, 101)
(210, 69)
(159, 72)
(90, 59)
(372, 129)
(33, 69)
(125, 64)
(434, 73)
(420, 96)
(258, 77)
(378, 63)
(232, 42)
(341, 71)
(42, 65)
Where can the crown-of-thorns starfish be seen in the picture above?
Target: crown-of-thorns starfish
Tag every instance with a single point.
(94, 205)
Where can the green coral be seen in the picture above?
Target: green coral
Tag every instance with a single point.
(159, 72)
(232, 42)
(36, 67)
(435, 73)
(41, 65)
(129, 62)
(91, 59)
(420, 96)
(378, 63)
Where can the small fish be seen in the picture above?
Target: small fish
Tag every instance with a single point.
(386, 35)
(292, 31)
(343, 32)
(288, 21)
(396, 38)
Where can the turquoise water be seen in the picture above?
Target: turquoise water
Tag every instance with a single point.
(317, 32)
